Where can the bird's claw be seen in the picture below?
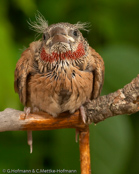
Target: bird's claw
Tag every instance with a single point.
(86, 119)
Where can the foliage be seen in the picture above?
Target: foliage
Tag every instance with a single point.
(114, 34)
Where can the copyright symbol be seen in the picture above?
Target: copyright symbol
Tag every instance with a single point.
(4, 170)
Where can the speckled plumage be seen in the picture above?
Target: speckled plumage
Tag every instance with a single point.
(60, 72)
(64, 88)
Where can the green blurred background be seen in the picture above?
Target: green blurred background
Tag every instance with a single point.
(114, 33)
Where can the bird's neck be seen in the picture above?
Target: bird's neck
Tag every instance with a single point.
(54, 56)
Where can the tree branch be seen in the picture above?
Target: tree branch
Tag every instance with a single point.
(14, 120)
(84, 147)
(123, 101)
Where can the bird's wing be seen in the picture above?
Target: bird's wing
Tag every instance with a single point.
(24, 67)
(97, 65)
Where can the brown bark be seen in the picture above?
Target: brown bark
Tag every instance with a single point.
(123, 101)
(14, 120)
(85, 151)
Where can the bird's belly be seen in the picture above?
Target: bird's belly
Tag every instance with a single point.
(67, 93)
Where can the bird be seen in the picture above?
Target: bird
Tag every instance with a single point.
(59, 72)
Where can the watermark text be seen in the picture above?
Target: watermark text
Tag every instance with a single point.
(38, 171)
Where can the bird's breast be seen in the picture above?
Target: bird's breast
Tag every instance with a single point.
(65, 88)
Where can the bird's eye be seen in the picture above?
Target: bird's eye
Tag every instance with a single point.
(75, 33)
(45, 36)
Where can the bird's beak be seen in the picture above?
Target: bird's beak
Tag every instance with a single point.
(59, 35)
(59, 38)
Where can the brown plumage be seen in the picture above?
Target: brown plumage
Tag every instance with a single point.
(60, 72)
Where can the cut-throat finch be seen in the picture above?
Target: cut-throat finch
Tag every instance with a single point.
(58, 73)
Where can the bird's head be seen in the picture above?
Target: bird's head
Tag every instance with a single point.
(61, 41)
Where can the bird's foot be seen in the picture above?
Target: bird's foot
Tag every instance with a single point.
(35, 109)
(27, 110)
(85, 118)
